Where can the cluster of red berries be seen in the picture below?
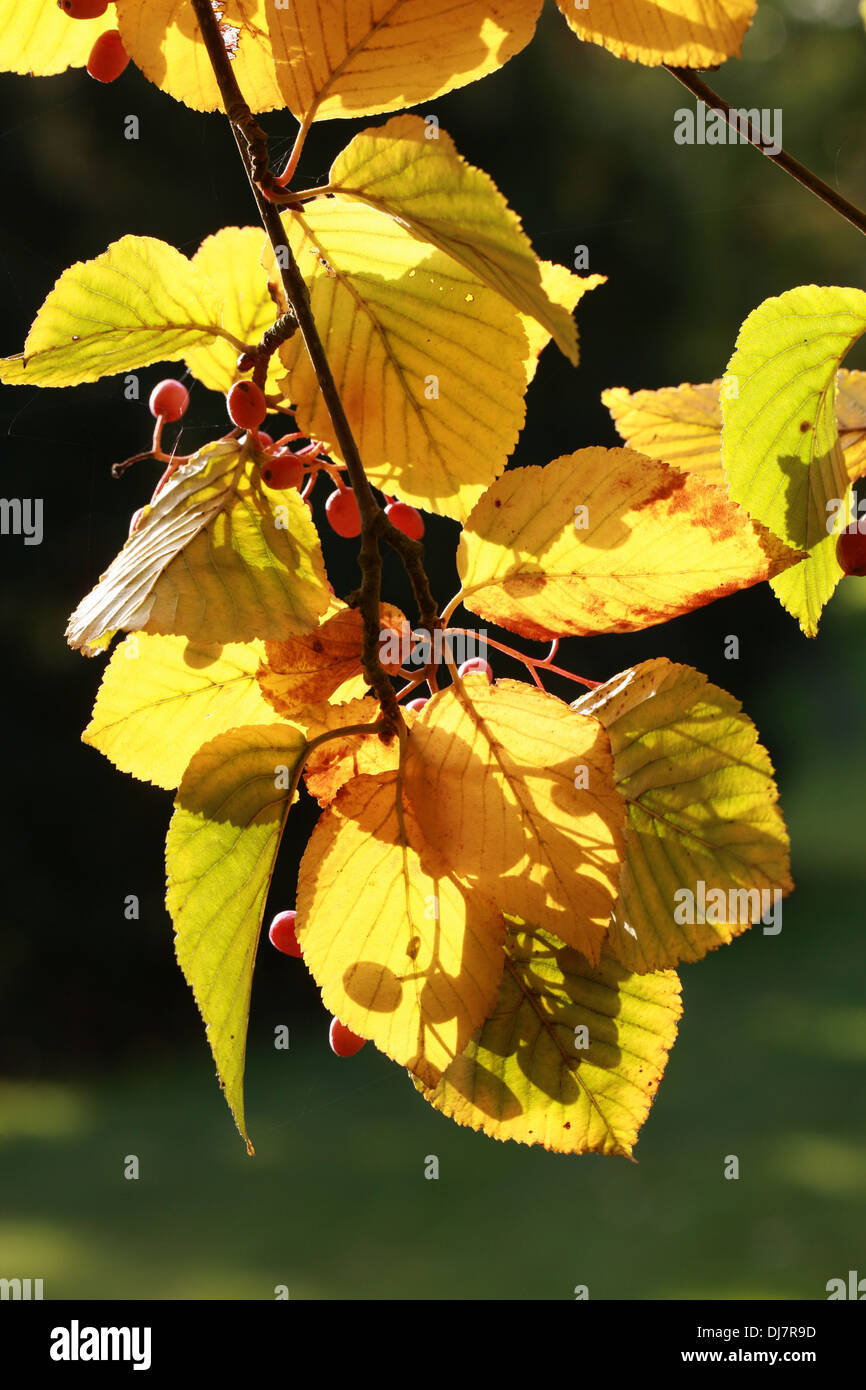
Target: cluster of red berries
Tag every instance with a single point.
(344, 1043)
(108, 57)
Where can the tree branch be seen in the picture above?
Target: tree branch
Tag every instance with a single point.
(785, 161)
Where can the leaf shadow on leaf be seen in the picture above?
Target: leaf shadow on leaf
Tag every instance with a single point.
(525, 836)
(807, 487)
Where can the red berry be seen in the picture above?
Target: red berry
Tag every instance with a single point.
(246, 362)
(343, 1041)
(416, 704)
(475, 666)
(281, 934)
(108, 57)
(169, 399)
(83, 9)
(283, 470)
(851, 552)
(247, 406)
(407, 519)
(265, 441)
(343, 513)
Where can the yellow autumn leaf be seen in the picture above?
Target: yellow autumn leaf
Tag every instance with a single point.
(443, 200)
(214, 553)
(572, 1055)
(232, 261)
(431, 365)
(684, 33)
(161, 698)
(706, 845)
(518, 798)
(606, 540)
(38, 40)
(682, 425)
(140, 301)
(851, 420)
(404, 954)
(304, 670)
(326, 58)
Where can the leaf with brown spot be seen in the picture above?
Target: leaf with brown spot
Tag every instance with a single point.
(306, 670)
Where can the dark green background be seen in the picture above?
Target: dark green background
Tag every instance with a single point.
(101, 1042)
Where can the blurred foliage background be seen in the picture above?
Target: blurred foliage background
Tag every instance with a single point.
(100, 1041)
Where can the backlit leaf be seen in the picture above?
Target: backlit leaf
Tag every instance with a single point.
(571, 1057)
(161, 698)
(518, 798)
(702, 809)
(37, 39)
(403, 953)
(301, 671)
(232, 260)
(682, 425)
(215, 554)
(684, 33)
(330, 766)
(429, 188)
(649, 544)
(780, 445)
(223, 839)
(141, 301)
(325, 58)
(431, 365)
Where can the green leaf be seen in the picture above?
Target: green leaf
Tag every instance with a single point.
(161, 698)
(220, 852)
(780, 446)
(141, 301)
(215, 558)
(702, 807)
(427, 187)
(531, 1074)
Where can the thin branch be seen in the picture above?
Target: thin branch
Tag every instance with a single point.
(785, 161)
(373, 520)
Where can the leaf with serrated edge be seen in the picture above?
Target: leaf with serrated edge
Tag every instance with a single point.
(702, 807)
(657, 543)
(682, 425)
(222, 843)
(533, 1075)
(327, 60)
(336, 762)
(518, 797)
(683, 33)
(429, 188)
(141, 301)
(432, 366)
(214, 553)
(404, 954)
(780, 446)
(161, 698)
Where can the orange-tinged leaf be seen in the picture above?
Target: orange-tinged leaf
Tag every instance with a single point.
(38, 40)
(302, 671)
(702, 810)
(607, 540)
(571, 1057)
(333, 764)
(680, 424)
(326, 58)
(684, 33)
(404, 954)
(349, 59)
(519, 800)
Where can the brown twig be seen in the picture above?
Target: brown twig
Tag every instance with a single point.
(785, 161)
